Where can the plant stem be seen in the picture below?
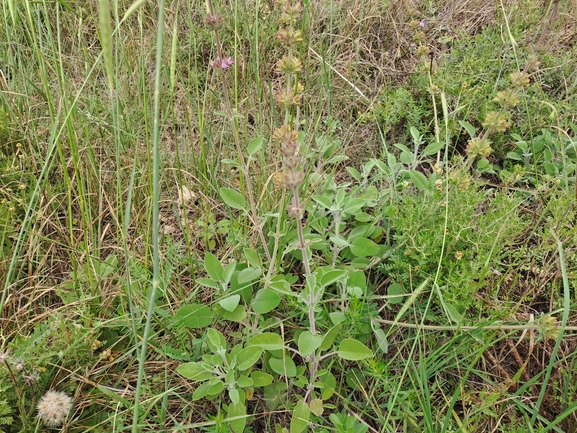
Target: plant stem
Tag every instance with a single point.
(244, 172)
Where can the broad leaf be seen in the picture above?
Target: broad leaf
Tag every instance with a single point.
(317, 406)
(381, 340)
(353, 350)
(213, 267)
(252, 258)
(237, 315)
(261, 379)
(215, 341)
(194, 371)
(420, 180)
(265, 301)
(363, 247)
(433, 148)
(284, 366)
(247, 357)
(300, 418)
(255, 145)
(330, 336)
(308, 343)
(267, 340)
(233, 198)
(248, 275)
(230, 303)
(237, 417)
(394, 291)
(331, 276)
(194, 316)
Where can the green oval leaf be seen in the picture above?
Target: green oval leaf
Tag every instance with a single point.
(194, 371)
(247, 357)
(300, 418)
(420, 180)
(283, 366)
(308, 343)
(395, 292)
(233, 198)
(237, 315)
(248, 275)
(194, 316)
(255, 145)
(216, 341)
(213, 267)
(353, 350)
(237, 417)
(363, 247)
(267, 340)
(265, 301)
(244, 381)
(330, 336)
(261, 379)
(433, 148)
(230, 303)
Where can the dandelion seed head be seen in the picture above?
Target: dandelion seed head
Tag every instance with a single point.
(53, 408)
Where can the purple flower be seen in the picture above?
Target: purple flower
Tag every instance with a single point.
(227, 63)
(222, 64)
(422, 24)
(413, 45)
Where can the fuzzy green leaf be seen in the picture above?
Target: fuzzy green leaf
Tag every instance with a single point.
(247, 357)
(252, 258)
(213, 267)
(248, 275)
(255, 145)
(267, 340)
(265, 301)
(433, 148)
(330, 336)
(237, 315)
(420, 180)
(300, 418)
(261, 379)
(308, 343)
(194, 316)
(363, 247)
(284, 366)
(194, 371)
(353, 350)
(233, 198)
(230, 303)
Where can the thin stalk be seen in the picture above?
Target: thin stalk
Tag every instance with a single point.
(243, 163)
(155, 218)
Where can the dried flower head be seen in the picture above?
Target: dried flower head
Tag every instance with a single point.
(520, 79)
(496, 121)
(285, 136)
(479, 147)
(507, 98)
(292, 179)
(289, 98)
(290, 14)
(295, 212)
(53, 408)
(289, 65)
(289, 36)
(214, 22)
(422, 50)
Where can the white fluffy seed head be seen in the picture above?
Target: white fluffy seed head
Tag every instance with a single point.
(53, 408)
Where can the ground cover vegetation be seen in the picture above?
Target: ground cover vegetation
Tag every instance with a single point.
(328, 216)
